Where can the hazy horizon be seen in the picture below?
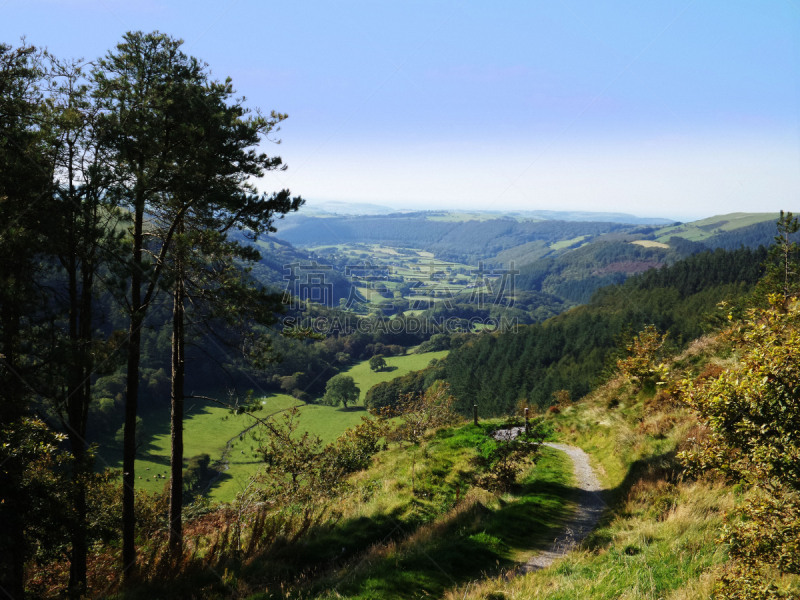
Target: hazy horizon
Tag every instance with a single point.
(681, 110)
(345, 208)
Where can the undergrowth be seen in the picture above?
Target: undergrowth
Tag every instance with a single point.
(408, 542)
(661, 536)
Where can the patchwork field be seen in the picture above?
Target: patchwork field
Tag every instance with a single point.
(391, 279)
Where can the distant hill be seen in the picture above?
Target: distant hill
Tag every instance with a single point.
(574, 272)
(558, 253)
(468, 241)
(334, 207)
(726, 226)
(569, 215)
(288, 269)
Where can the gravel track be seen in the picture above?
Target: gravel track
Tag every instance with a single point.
(590, 508)
(590, 505)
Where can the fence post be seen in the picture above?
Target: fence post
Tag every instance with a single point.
(475, 413)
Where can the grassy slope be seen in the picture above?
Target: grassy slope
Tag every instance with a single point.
(412, 527)
(400, 541)
(208, 428)
(697, 231)
(660, 536)
(365, 378)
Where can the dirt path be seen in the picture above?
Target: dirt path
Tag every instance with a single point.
(590, 504)
(223, 463)
(590, 508)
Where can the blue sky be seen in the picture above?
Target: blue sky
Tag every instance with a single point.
(674, 109)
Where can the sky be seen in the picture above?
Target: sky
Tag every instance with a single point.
(675, 109)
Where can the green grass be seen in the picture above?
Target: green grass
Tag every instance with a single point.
(327, 422)
(209, 427)
(467, 541)
(564, 244)
(241, 462)
(659, 538)
(397, 366)
(660, 543)
(397, 541)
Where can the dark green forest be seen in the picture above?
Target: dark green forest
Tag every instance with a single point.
(574, 350)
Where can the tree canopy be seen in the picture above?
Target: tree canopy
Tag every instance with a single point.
(377, 362)
(341, 389)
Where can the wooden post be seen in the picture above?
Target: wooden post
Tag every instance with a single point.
(527, 422)
(475, 413)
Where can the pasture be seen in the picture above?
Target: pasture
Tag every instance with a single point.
(216, 430)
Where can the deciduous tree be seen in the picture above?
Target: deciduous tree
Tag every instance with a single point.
(752, 413)
(341, 389)
(377, 362)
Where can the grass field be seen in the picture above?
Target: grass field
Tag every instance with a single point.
(398, 366)
(208, 428)
(650, 244)
(328, 422)
(564, 244)
(705, 228)
(436, 279)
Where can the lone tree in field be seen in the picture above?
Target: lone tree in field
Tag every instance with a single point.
(377, 362)
(341, 389)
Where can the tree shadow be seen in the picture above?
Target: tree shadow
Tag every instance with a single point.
(660, 467)
(478, 540)
(352, 409)
(214, 482)
(475, 540)
(161, 459)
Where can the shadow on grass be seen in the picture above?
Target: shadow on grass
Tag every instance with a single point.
(479, 542)
(353, 409)
(161, 459)
(663, 466)
(155, 422)
(536, 518)
(474, 542)
(401, 554)
(217, 480)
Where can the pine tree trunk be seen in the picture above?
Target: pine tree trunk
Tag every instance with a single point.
(131, 402)
(176, 416)
(79, 397)
(12, 535)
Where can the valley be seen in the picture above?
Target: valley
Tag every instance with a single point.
(522, 320)
(421, 487)
(630, 431)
